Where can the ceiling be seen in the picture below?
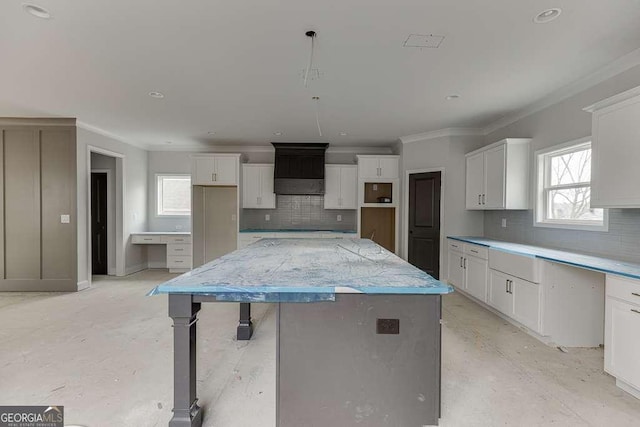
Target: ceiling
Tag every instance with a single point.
(235, 67)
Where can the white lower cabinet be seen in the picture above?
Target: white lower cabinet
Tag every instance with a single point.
(622, 332)
(456, 270)
(500, 296)
(526, 303)
(468, 268)
(476, 277)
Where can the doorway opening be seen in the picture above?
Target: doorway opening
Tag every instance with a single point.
(423, 221)
(99, 222)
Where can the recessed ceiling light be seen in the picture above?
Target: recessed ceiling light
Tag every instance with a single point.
(277, 133)
(452, 97)
(36, 11)
(343, 134)
(157, 95)
(547, 16)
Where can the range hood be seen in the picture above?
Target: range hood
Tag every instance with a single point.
(299, 168)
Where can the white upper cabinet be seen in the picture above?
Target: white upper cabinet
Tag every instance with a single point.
(341, 187)
(615, 149)
(378, 167)
(498, 176)
(215, 169)
(257, 186)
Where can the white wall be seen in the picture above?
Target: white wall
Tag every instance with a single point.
(447, 153)
(135, 199)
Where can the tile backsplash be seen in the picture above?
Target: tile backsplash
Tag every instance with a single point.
(299, 213)
(622, 241)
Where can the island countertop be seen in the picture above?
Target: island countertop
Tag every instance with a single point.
(304, 270)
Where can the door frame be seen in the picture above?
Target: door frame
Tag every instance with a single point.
(405, 213)
(119, 205)
(111, 269)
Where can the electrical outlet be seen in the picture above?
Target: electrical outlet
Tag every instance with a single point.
(179, 227)
(375, 187)
(65, 219)
(339, 218)
(233, 217)
(504, 222)
(267, 217)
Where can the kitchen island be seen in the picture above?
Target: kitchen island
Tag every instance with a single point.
(358, 333)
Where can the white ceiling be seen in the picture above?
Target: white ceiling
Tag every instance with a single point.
(234, 67)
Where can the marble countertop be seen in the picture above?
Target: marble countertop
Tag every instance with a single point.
(591, 262)
(253, 230)
(304, 270)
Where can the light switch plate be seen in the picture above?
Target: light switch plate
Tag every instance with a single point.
(339, 218)
(375, 187)
(504, 222)
(267, 217)
(65, 219)
(179, 227)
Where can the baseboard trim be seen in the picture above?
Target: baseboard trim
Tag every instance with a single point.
(83, 285)
(135, 268)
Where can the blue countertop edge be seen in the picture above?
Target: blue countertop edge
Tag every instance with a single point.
(590, 262)
(253, 230)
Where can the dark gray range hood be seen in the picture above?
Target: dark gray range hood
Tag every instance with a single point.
(299, 168)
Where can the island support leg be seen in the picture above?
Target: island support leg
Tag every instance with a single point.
(245, 326)
(183, 311)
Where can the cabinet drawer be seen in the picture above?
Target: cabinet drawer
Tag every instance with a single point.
(178, 249)
(522, 266)
(476, 250)
(622, 288)
(178, 239)
(455, 245)
(174, 261)
(146, 239)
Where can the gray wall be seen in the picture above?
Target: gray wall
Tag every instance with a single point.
(134, 217)
(301, 213)
(447, 153)
(558, 123)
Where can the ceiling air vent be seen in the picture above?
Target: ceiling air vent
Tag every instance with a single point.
(420, 40)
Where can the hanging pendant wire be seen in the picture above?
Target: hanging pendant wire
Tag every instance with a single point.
(317, 100)
(312, 36)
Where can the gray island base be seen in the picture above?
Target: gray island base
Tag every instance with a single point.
(358, 331)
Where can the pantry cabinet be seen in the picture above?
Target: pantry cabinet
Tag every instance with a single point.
(497, 176)
(341, 187)
(257, 186)
(216, 169)
(378, 167)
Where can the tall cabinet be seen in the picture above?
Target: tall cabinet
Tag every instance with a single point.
(38, 223)
(379, 199)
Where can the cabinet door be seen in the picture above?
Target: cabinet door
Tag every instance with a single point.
(203, 170)
(499, 297)
(476, 277)
(369, 167)
(475, 181)
(225, 170)
(456, 271)
(622, 342)
(526, 303)
(349, 187)
(332, 187)
(250, 187)
(388, 167)
(494, 178)
(267, 196)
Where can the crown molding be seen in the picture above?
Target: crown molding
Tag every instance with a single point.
(614, 68)
(106, 133)
(441, 133)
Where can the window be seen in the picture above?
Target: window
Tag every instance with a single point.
(174, 195)
(564, 189)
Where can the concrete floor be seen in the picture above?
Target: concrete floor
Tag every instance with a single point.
(105, 354)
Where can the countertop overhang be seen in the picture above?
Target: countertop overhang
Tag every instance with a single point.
(304, 270)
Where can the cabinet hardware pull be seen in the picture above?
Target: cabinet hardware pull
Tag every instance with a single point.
(475, 252)
(483, 199)
(179, 250)
(511, 286)
(460, 262)
(635, 294)
(506, 286)
(479, 198)
(465, 264)
(635, 311)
